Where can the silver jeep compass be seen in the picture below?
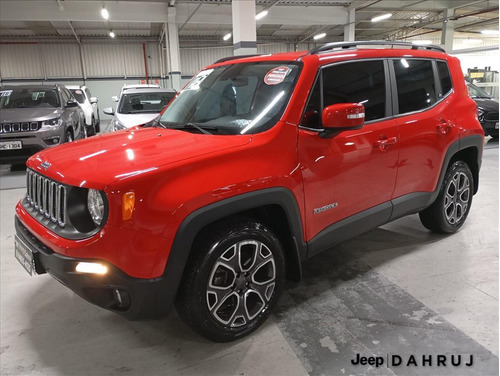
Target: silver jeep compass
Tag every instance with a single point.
(33, 118)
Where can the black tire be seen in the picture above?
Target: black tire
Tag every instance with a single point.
(69, 136)
(208, 276)
(92, 130)
(449, 212)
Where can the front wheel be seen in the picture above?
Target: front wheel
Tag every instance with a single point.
(449, 212)
(69, 136)
(233, 280)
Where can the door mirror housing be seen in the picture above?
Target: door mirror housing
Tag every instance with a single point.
(343, 116)
(108, 111)
(93, 100)
(71, 103)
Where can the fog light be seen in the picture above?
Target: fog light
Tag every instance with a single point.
(91, 267)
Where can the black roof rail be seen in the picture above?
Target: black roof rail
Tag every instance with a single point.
(234, 58)
(346, 45)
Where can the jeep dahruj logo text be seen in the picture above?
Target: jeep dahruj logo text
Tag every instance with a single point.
(453, 360)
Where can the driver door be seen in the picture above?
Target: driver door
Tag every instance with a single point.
(353, 170)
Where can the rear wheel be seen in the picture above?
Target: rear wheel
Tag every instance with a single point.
(449, 212)
(232, 281)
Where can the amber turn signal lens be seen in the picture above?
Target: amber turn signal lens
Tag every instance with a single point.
(128, 202)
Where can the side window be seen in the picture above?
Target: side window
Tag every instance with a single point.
(312, 115)
(358, 82)
(415, 84)
(444, 77)
(65, 96)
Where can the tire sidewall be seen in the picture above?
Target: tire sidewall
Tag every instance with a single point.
(211, 327)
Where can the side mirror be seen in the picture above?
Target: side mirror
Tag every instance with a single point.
(71, 103)
(108, 111)
(93, 100)
(343, 116)
(114, 98)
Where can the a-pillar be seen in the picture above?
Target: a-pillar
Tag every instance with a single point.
(349, 28)
(448, 30)
(172, 51)
(244, 31)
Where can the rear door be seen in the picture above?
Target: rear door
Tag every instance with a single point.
(353, 170)
(426, 122)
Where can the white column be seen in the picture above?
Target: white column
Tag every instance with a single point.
(173, 58)
(244, 31)
(349, 29)
(448, 30)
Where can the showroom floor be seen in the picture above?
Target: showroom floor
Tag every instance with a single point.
(397, 290)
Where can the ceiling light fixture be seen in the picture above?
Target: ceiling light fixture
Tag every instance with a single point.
(227, 36)
(104, 13)
(421, 42)
(489, 32)
(382, 17)
(261, 15)
(319, 36)
(112, 34)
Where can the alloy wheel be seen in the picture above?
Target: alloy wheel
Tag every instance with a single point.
(456, 199)
(241, 283)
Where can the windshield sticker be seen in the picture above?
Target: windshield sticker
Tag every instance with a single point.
(276, 75)
(78, 91)
(5, 93)
(198, 79)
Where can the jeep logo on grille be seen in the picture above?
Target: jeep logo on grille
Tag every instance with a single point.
(45, 165)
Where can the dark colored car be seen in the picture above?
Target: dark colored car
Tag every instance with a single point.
(487, 109)
(33, 118)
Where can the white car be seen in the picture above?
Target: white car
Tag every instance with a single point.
(88, 104)
(134, 86)
(138, 107)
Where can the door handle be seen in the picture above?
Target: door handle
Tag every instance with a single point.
(445, 126)
(385, 143)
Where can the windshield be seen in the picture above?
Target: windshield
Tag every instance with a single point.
(78, 94)
(140, 103)
(28, 98)
(241, 98)
(477, 92)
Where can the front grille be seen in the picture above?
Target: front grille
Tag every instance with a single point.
(491, 116)
(29, 126)
(47, 197)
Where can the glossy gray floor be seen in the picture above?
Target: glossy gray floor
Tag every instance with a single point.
(397, 290)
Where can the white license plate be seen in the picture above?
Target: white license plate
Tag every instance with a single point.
(24, 255)
(10, 145)
(496, 126)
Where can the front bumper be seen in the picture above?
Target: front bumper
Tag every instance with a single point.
(139, 298)
(490, 127)
(32, 142)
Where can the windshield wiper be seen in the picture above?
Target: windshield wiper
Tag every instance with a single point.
(201, 129)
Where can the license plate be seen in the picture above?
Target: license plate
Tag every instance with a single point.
(11, 145)
(496, 126)
(24, 255)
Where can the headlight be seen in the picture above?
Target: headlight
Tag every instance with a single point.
(117, 126)
(95, 204)
(51, 124)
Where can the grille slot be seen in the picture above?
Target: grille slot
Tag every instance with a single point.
(20, 127)
(47, 197)
(491, 116)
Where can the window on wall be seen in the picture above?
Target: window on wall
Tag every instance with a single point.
(359, 82)
(444, 77)
(415, 84)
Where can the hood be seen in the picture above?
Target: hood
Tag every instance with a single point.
(132, 120)
(100, 160)
(8, 115)
(486, 104)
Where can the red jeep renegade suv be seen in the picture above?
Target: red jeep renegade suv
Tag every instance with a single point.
(259, 163)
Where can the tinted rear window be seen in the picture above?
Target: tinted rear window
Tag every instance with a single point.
(415, 84)
(444, 77)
